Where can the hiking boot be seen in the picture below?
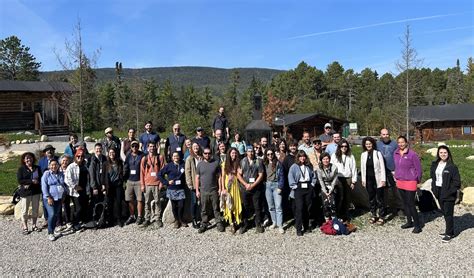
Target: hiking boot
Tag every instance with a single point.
(202, 229)
(130, 220)
(177, 224)
(220, 227)
(447, 238)
(146, 224)
(259, 229)
(139, 220)
(407, 225)
(159, 224)
(417, 230)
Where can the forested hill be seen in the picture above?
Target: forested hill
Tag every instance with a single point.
(217, 79)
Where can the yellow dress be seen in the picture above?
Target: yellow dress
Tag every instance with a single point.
(234, 191)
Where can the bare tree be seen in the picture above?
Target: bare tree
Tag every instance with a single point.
(408, 61)
(77, 62)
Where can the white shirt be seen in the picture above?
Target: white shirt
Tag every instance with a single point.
(439, 173)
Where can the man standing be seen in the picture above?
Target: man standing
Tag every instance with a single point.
(126, 144)
(387, 147)
(216, 141)
(48, 155)
(315, 153)
(95, 173)
(332, 147)
(250, 176)
(326, 137)
(150, 165)
(263, 144)
(220, 122)
(306, 146)
(133, 190)
(149, 136)
(70, 149)
(110, 141)
(175, 143)
(200, 138)
(208, 186)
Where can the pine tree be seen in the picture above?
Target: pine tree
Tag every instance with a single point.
(16, 63)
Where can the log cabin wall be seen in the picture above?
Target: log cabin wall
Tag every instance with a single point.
(448, 130)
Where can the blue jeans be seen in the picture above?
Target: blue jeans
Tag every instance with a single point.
(53, 214)
(274, 203)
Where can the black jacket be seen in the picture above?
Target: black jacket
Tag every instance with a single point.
(451, 182)
(25, 180)
(95, 172)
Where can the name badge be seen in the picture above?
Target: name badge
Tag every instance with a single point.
(182, 170)
(304, 185)
(251, 179)
(153, 174)
(133, 172)
(178, 149)
(100, 171)
(177, 182)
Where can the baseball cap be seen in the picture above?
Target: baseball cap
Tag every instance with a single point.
(199, 129)
(107, 130)
(327, 125)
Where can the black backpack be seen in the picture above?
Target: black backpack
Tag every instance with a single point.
(425, 201)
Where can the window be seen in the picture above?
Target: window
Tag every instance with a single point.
(467, 130)
(26, 106)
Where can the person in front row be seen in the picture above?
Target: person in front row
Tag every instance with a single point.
(328, 180)
(445, 184)
(172, 176)
(208, 185)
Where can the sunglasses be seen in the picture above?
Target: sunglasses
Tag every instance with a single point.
(344, 146)
(268, 154)
(207, 153)
(134, 146)
(327, 128)
(79, 156)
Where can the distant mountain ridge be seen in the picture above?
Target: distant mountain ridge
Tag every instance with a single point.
(217, 79)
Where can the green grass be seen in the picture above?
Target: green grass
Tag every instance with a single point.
(13, 136)
(8, 181)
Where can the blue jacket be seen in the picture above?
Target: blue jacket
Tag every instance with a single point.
(294, 176)
(53, 185)
(280, 173)
(44, 163)
(149, 137)
(174, 172)
(388, 151)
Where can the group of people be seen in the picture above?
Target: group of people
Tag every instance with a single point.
(238, 184)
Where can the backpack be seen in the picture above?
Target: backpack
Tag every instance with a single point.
(339, 227)
(425, 200)
(328, 229)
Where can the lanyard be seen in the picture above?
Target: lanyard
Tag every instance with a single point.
(303, 172)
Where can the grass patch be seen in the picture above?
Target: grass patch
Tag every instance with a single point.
(8, 181)
(13, 136)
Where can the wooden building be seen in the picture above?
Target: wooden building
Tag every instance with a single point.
(296, 124)
(34, 105)
(443, 122)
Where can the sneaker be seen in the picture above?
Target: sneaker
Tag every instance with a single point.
(139, 220)
(159, 224)
(51, 237)
(281, 230)
(243, 229)
(407, 225)
(202, 229)
(259, 229)
(273, 226)
(220, 227)
(442, 235)
(447, 238)
(176, 224)
(130, 220)
(146, 224)
(266, 222)
(417, 230)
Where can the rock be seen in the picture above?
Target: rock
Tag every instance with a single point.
(19, 133)
(44, 138)
(471, 157)
(359, 196)
(427, 187)
(17, 142)
(18, 210)
(29, 133)
(432, 151)
(88, 139)
(468, 197)
(168, 216)
(24, 141)
(7, 209)
(441, 144)
(12, 142)
(31, 141)
(36, 141)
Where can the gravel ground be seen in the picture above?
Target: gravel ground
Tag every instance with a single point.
(371, 251)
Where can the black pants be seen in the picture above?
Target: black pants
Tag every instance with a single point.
(210, 201)
(81, 204)
(115, 197)
(376, 197)
(252, 199)
(178, 209)
(447, 207)
(286, 204)
(317, 206)
(343, 197)
(303, 202)
(65, 217)
(408, 198)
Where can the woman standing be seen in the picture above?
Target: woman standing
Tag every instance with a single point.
(373, 179)
(347, 175)
(172, 176)
(301, 179)
(281, 151)
(445, 184)
(76, 178)
(112, 177)
(54, 188)
(273, 188)
(187, 148)
(328, 180)
(190, 172)
(221, 155)
(239, 144)
(408, 175)
(232, 210)
(29, 178)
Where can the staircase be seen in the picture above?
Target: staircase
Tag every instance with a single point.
(54, 130)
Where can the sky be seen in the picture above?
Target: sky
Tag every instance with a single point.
(276, 34)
